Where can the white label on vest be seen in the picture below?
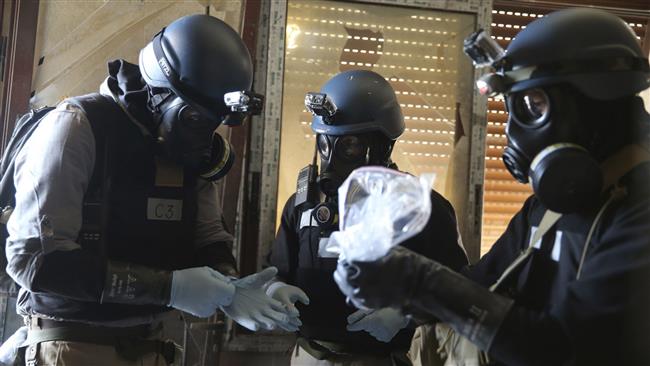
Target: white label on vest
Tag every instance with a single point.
(164, 209)
(306, 219)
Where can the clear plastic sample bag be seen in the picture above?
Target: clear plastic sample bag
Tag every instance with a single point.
(378, 209)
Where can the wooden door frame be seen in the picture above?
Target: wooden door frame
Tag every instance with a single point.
(18, 65)
(269, 167)
(239, 204)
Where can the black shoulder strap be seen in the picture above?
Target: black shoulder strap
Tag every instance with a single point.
(103, 115)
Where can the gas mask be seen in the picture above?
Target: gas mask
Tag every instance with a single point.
(554, 137)
(188, 138)
(548, 142)
(340, 155)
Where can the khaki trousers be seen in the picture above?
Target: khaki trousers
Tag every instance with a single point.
(62, 353)
(300, 357)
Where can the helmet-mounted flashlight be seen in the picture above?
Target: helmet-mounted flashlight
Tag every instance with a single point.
(482, 49)
(491, 84)
(244, 102)
(485, 51)
(320, 104)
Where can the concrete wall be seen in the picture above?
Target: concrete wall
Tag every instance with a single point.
(75, 39)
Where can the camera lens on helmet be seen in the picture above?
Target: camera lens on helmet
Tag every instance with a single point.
(531, 107)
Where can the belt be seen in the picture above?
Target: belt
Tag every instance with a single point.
(129, 342)
(36, 323)
(322, 350)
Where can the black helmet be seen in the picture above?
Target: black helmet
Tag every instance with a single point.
(592, 50)
(364, 102)
(565, 77)
(200, 58)
(357, 119)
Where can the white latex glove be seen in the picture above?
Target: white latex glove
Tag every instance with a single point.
(200, 291)
(251, 307)
(288, 295)
(9, 349)
(382, 324)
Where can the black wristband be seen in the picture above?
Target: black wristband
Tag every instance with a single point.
(128, 283)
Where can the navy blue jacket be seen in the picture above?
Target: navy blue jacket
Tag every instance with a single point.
(296, 255)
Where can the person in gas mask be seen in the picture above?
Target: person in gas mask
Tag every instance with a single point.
(117, 219)
(357, 119)
(570, 275)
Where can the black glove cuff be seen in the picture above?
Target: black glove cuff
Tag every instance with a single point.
(128, 283)
(470, 309)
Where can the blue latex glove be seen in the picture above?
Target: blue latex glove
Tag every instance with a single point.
(288, 295)
(200, 291)
(382, 324)
(251, 307)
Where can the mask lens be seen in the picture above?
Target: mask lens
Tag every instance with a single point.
(531, 107)
(350, 148)
(190, 117)
(323, 146)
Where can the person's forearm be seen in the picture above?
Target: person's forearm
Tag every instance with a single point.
(79, 275)
(75, 274)
(511, 334)
(467, 307)
(128, 283)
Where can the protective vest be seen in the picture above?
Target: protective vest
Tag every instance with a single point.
(325, 318)
(136, 210)
(298, 255)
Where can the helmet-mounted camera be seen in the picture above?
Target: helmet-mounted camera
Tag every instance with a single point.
(482, 49)
(485, 51)
(320, 104)
(244, 102)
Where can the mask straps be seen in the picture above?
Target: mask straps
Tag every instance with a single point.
(314, 160)
(548, 220)
(613, 169)
(622, 162)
